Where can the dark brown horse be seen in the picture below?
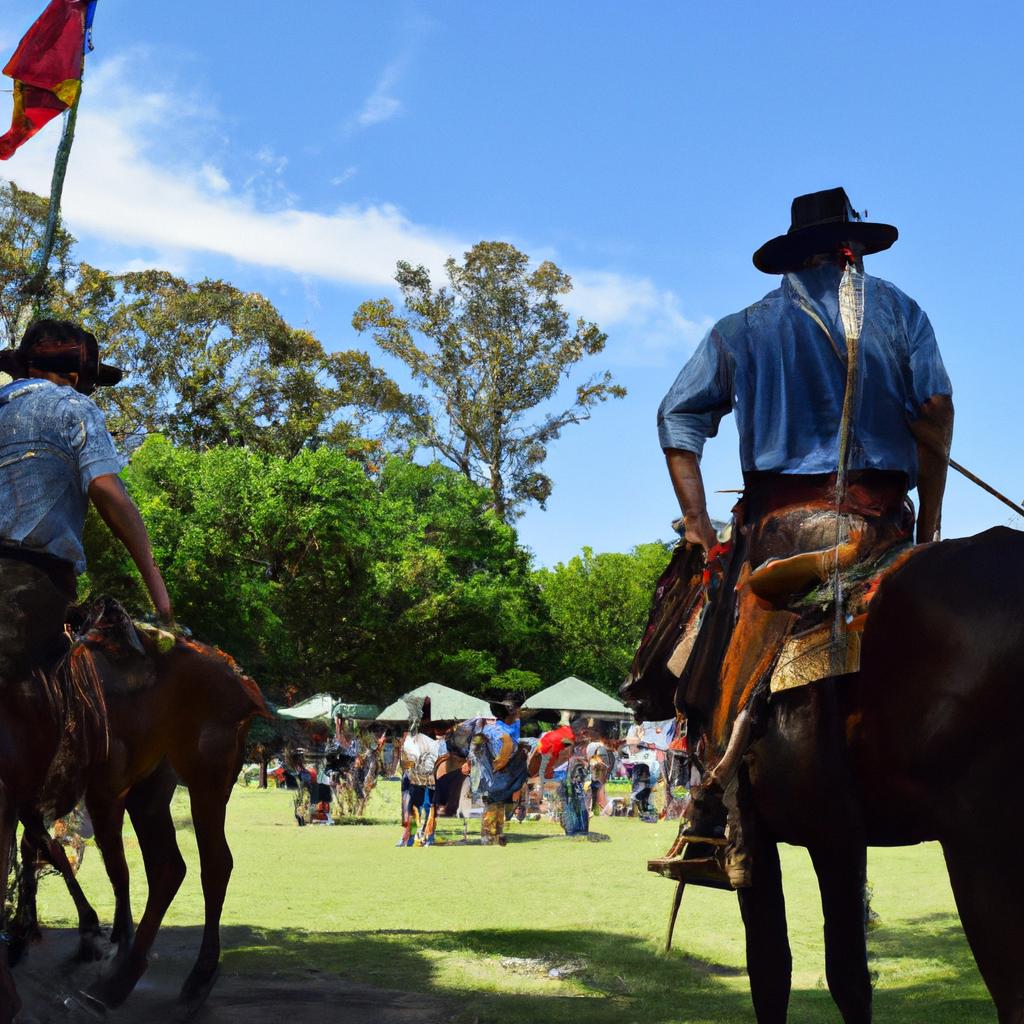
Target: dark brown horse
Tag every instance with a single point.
(177, 711)
(52, 717)
(865, 760)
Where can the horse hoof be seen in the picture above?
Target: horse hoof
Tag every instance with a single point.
(90, 949)
(84, 1007)
(196, 989)
(16, 950)
(106, 994)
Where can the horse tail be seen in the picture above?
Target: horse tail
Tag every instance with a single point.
(76, 693)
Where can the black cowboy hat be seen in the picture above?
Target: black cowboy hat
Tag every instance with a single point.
(61, 347)
(820, 222)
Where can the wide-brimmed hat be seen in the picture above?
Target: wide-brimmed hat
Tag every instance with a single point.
(61, 347)
(820, 223)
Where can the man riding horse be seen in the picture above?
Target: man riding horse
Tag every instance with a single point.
(842, 406)
(55, 456)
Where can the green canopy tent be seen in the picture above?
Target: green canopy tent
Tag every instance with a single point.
(315, 707)
(324, 706)
(446, 705)
(577, 697)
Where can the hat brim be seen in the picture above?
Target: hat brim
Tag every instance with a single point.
(11, 362)
(790, 251)
(107, 375)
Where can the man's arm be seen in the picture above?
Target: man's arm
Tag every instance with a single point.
(120, 514)
(684, 469)
(933, 431)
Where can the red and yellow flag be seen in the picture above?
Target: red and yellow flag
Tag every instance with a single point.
(47, 69)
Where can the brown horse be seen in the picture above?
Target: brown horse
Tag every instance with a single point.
(864, 760)
(177, 710)
(52, 717)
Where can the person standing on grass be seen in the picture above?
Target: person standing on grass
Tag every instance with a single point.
(420, 751)
(500, 768)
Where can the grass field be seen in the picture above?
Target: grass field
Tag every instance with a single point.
(441, 921)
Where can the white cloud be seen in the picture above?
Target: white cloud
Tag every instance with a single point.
(147, 213)
(345, 176)
(118, 192)
(645, 324)
(381, 105)
(213, 178)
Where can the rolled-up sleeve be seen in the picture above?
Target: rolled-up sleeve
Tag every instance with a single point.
(89, 438)
(699, 398)
(928, 376)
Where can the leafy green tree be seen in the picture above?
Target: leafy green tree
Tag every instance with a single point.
(496, 347)
(206, 363)
(598, 605)
(22, 223)
(319, 577)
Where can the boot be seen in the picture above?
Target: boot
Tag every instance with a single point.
(706, 815)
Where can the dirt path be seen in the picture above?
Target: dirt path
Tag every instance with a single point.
(46, 980)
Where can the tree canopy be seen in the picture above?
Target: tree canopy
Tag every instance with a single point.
(491, 349)
(319, 577)
(598, 607)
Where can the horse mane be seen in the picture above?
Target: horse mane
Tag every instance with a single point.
(135, 651)
(247, 683)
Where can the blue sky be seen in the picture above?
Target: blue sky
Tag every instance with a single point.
(301, 149)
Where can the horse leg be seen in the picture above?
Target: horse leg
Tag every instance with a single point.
(36, 839)
(209, 787)
(842, 876)
(108, 822)
(769, 961)
(991, 906)
(148, 804)
(209, 805)
(23, 928)
(10, 1004)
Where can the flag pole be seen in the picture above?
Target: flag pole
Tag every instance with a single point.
(34, 286)
(34, 301)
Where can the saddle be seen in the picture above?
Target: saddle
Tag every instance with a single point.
(106, 628)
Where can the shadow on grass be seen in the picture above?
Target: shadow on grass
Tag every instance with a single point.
(623, 977)
(612, 977)
(407, 976)
(956, 994)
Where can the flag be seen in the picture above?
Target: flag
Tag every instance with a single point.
(47, 69)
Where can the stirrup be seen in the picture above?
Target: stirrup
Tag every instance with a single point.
(696, 860)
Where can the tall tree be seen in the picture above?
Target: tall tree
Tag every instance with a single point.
(207, 363)
(22, 225)
(320, 577)
(598, 605)
(491, 349)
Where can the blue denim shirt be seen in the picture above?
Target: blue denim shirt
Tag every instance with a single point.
(775, 367)
(53, 444)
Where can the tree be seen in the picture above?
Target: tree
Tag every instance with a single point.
(317, 576)
(22, 224)
(206, 363)
(498, 346)
(598, 606)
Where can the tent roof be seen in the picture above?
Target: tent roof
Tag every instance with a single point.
(359, 712)
(317, 706)
(572, 694)
(446, 705)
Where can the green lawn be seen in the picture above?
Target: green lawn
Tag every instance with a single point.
(345, 899)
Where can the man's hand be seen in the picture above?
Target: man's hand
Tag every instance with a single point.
(684, 470)
(120, 514)
(699, 530)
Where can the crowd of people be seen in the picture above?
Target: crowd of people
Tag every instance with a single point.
(490, 767)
